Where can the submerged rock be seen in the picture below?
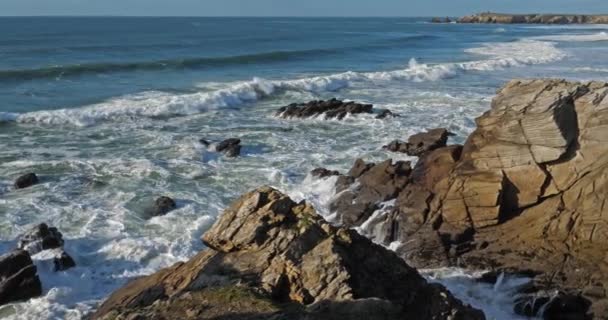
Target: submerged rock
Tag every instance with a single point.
(40, 237)
(270, 257)
(18, 277)
(26, 180)
(162, 206)
(333, 108)
(229, 147)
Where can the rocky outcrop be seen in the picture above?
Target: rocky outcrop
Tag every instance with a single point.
(330, 109)
(40, 237)
(229, 147)
(162, 205)
(272, 258)
(18, 277)
(528, 190)
(441, 20)
(489, 17)
(26, 180)
(420, 143)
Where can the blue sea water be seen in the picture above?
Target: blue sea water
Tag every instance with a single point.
(109, 112)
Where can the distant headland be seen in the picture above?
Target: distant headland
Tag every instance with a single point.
(491, 17)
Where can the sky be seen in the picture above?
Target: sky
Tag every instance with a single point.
(294, 7)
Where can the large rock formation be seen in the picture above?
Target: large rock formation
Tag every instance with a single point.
(272, 258)
(490, 17)
(527, 192)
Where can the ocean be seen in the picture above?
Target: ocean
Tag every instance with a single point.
(109, 113)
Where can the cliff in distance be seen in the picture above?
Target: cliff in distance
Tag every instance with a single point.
(490, 17)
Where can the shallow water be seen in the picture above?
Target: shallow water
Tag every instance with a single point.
(109, 114)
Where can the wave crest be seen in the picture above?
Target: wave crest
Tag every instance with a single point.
(163, 104)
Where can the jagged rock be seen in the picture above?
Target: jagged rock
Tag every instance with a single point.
(63, 262)
(270, 257)
(324, 173)
(26, 180)
(18, 277)
(229, 147)
(375, 183)
(162, 205)
(528, 189)
(39, 238)
(490, 17)
(333, 108)
(420, 143)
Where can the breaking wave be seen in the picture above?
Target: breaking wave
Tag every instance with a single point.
(164, 104)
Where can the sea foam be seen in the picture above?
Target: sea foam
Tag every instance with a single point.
(601, 36)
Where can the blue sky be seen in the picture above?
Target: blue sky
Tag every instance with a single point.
(294, 7)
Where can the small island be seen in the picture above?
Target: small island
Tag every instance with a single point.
(490, 17)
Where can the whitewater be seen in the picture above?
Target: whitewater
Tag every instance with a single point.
(107, 141)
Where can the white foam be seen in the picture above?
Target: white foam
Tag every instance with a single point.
(496, 300)
(601, 36)
(162, 104)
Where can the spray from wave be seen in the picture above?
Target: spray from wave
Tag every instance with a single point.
(163, 104)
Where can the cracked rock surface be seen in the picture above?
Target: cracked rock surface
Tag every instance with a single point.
(272, 258)
(527, 192)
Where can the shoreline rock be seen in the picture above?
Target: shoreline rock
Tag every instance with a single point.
(270, 257)
(490, 17)
(527, 190)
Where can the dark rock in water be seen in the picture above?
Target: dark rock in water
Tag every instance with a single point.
(269, 257)
(567, 306)
(39, 238)
(333, 108)
(204, 142)
(63, 262)
(324, 173)
(420, 143)
(229, 147)
(18, 277)
(26, 180)
(162, 206)
(385, 113)
(436, 20)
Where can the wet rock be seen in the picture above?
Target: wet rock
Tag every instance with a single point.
(229, 147)
(18, 277)
(333, 108)
(385, 113)
(567, 306)
(270, 257)
(420, 143)
(39, 238)
(63, 262)
(375, 183)
(324, 173)
(162, 206)
(26, 180)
